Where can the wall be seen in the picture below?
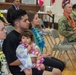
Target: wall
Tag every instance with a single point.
(29, 2)
(56, 8)
(2, 0)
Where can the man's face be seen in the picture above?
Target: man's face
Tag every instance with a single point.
(17, 3)
(68, 8)
(23, 23)
(2, 31)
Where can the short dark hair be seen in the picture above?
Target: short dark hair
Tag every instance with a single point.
(16, 15)
(27, 33)
(74, 6)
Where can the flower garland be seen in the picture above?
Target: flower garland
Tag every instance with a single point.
(70, 19)
(1, 15)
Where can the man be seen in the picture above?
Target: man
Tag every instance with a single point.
(12, 41)
(66, 25)
(74, 12)
(15, 6)
(20, 19)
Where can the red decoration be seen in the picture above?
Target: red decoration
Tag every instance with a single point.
(40, 2)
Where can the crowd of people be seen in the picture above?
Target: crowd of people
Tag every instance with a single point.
(23, 46)
(20, 19)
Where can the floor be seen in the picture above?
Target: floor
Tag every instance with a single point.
(69, 69)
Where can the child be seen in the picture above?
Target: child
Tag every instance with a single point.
(28, 53)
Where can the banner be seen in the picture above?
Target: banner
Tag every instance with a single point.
(40, 2)
(52, 1)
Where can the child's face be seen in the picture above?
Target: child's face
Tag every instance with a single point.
(26, 40)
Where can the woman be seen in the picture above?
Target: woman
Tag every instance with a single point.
(2, 35)
(52, 64)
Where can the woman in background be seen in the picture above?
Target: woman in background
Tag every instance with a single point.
(54, 65)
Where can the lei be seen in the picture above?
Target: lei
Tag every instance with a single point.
(38, 54)
(1, 15)
(70, 19)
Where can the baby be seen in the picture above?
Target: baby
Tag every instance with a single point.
(28, 53)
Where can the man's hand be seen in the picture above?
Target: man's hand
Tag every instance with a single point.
(47, 55)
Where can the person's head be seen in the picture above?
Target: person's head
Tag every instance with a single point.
(67, 8)
(33, 18)
(74, 7)
(2, 31)
(20, 20)
(16, 2)
(27, 36)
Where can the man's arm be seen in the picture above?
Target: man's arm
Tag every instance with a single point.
(15, 63)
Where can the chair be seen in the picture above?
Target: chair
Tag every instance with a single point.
(59, 46)
(70, 43)
(45, 34)
(41, 23)
(42, 26)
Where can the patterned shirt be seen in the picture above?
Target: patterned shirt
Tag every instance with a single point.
(65, 29)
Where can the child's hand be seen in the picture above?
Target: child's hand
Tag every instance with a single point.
(34, 59)
(29, 48)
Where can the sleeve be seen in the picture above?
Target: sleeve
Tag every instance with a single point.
(21, 52)
(24, 57)
(9, 49)
(62, 27)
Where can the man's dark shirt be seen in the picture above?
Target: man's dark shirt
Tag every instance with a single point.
(9, 49)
